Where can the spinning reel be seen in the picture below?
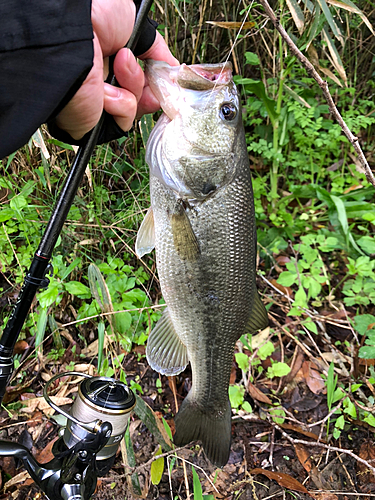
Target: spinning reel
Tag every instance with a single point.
(97, 420)
(96, 423)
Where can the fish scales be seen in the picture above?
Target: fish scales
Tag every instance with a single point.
(206, 259)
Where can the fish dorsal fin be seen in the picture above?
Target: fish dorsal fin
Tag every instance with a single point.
(145, 242)
(165, 352)
(184, 239)
(258, 317)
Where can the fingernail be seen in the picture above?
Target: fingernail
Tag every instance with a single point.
(112, 91)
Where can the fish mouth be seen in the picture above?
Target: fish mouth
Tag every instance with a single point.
(167, 81)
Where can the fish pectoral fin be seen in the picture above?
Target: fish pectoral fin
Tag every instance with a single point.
(165, 352)
(184, 238)
(258, 316)
(145, 242)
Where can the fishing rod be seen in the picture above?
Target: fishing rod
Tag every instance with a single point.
(97, 420)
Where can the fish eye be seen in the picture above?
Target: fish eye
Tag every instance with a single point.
(228, 111)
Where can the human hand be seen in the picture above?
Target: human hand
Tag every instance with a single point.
(113, 22)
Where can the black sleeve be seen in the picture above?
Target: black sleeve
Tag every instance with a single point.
(46, 52)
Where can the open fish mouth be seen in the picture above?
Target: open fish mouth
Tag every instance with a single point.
(167, 82)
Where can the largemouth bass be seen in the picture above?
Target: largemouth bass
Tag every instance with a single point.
(202, 225)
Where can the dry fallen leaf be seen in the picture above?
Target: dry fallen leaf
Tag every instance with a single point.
(20, 346)
(255, 393)
(232, 24)
(366, 452)
(313, 378)
(303, 456)
(260, 338)
(298, 359)
(46, 455)
(41, 404)
(20, 478)
(92, 349)
(300, 430)
(282, 479)
(324, 496)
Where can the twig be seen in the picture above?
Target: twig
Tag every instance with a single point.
(321, 445)
(327, 416)
(324, 87)
(346, 493)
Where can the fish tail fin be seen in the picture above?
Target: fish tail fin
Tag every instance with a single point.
(211, 427)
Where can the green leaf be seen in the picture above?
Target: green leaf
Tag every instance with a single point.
(335, 56)
(252, 58)
(157, 468)
(18, 202)
(332, 23)
(314, 288)
(367, 243)
(167, 428)
(79, 289)
(6, 214)
(367, 352)
(349, 408)
(96, 280)
(146, 124)
(310, 325)
(297, 14)
(40, 328)
(278, 369)
(351, 7)
(236, 395)
(265, 350)
(257, 87)
(287, 278)
(331, 384)
(70, 268)
(315, 25)
(123, 321)
(49, 296)
(242, 360)
(302, 101)
(246, 406)
(197, 487)
(278, 415)
(152, 422)
(130, 462)
(343, 219)
(300, 298)
(370, 419)
(340, 422)
(363, 323)
(336, 433)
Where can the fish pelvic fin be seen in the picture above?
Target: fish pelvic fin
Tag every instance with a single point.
(145, 241)
(258, 316)
(210, 426)
(165, 352)
(184, 238)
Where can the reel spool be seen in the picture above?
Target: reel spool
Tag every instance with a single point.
(99, 399)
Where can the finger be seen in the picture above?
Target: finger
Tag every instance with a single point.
(148, 103)
(113, 22)
(122, 104)
(128, 72)
(83, 111)
(159, 51)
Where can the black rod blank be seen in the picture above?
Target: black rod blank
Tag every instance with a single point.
(36, 276)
